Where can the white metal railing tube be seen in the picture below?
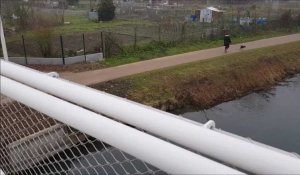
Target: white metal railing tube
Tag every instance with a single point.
(3, 43)
(162, 154)
(242, 154)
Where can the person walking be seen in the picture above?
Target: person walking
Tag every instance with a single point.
(227, 42)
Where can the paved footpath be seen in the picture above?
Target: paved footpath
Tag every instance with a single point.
(102, 75)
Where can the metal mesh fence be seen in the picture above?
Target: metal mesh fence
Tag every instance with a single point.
(73, 45)
(167, 30)
(33, 143)
(93, 42)
(15, 48)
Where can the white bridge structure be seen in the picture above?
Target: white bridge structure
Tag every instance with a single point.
(53, 126)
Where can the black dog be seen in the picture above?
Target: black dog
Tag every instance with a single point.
(242, 47)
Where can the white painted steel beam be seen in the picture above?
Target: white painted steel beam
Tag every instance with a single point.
(164, 155)
(3, 43)
(242, 154)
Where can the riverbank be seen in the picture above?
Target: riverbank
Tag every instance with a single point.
(258, 116)
(204, 84)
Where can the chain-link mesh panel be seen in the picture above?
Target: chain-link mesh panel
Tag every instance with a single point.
(15, 48)
(33, 143)
(73, 45)
(93, 42)
(42, 43)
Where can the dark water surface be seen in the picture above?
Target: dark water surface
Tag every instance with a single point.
(271, 117)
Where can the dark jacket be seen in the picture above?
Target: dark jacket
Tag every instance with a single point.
(227, 40)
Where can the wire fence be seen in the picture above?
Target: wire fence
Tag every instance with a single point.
(168, 28)
(53, 46)
(33, 143)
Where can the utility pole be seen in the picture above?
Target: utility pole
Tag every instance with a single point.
(231, 6)
(63, 10)
(90, 5)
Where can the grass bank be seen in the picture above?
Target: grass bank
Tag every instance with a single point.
(160, 49)
(206, 83)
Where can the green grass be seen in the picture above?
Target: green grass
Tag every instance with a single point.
(208, 82)
(160, 49)
(80, 24)
(223, 63)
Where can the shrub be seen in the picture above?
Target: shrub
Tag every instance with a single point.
(112, 45)
(44, 39)
(298, 19)
(286, 19)
(23, 13)
(106, 10)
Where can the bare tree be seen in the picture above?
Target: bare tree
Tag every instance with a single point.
(298, 19)
(286, 19)
(43, 37)
(18, 13)
(63, 4)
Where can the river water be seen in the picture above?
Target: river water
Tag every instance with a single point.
(271, 117)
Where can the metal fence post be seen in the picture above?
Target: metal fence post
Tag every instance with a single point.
(102, 44)
(183, 32)
(24, 48)
(62, 49)
(159, 33)
(83, 42)
(135, 37)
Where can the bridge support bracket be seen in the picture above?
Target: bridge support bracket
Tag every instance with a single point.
(210, 124)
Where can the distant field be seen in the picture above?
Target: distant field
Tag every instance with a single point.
(80, 24)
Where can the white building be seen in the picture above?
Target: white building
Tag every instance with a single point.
(209, 14)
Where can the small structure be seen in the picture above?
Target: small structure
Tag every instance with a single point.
(209, 14)
(164, 3)
(246, 21)
(52, 3)
(93, 15)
